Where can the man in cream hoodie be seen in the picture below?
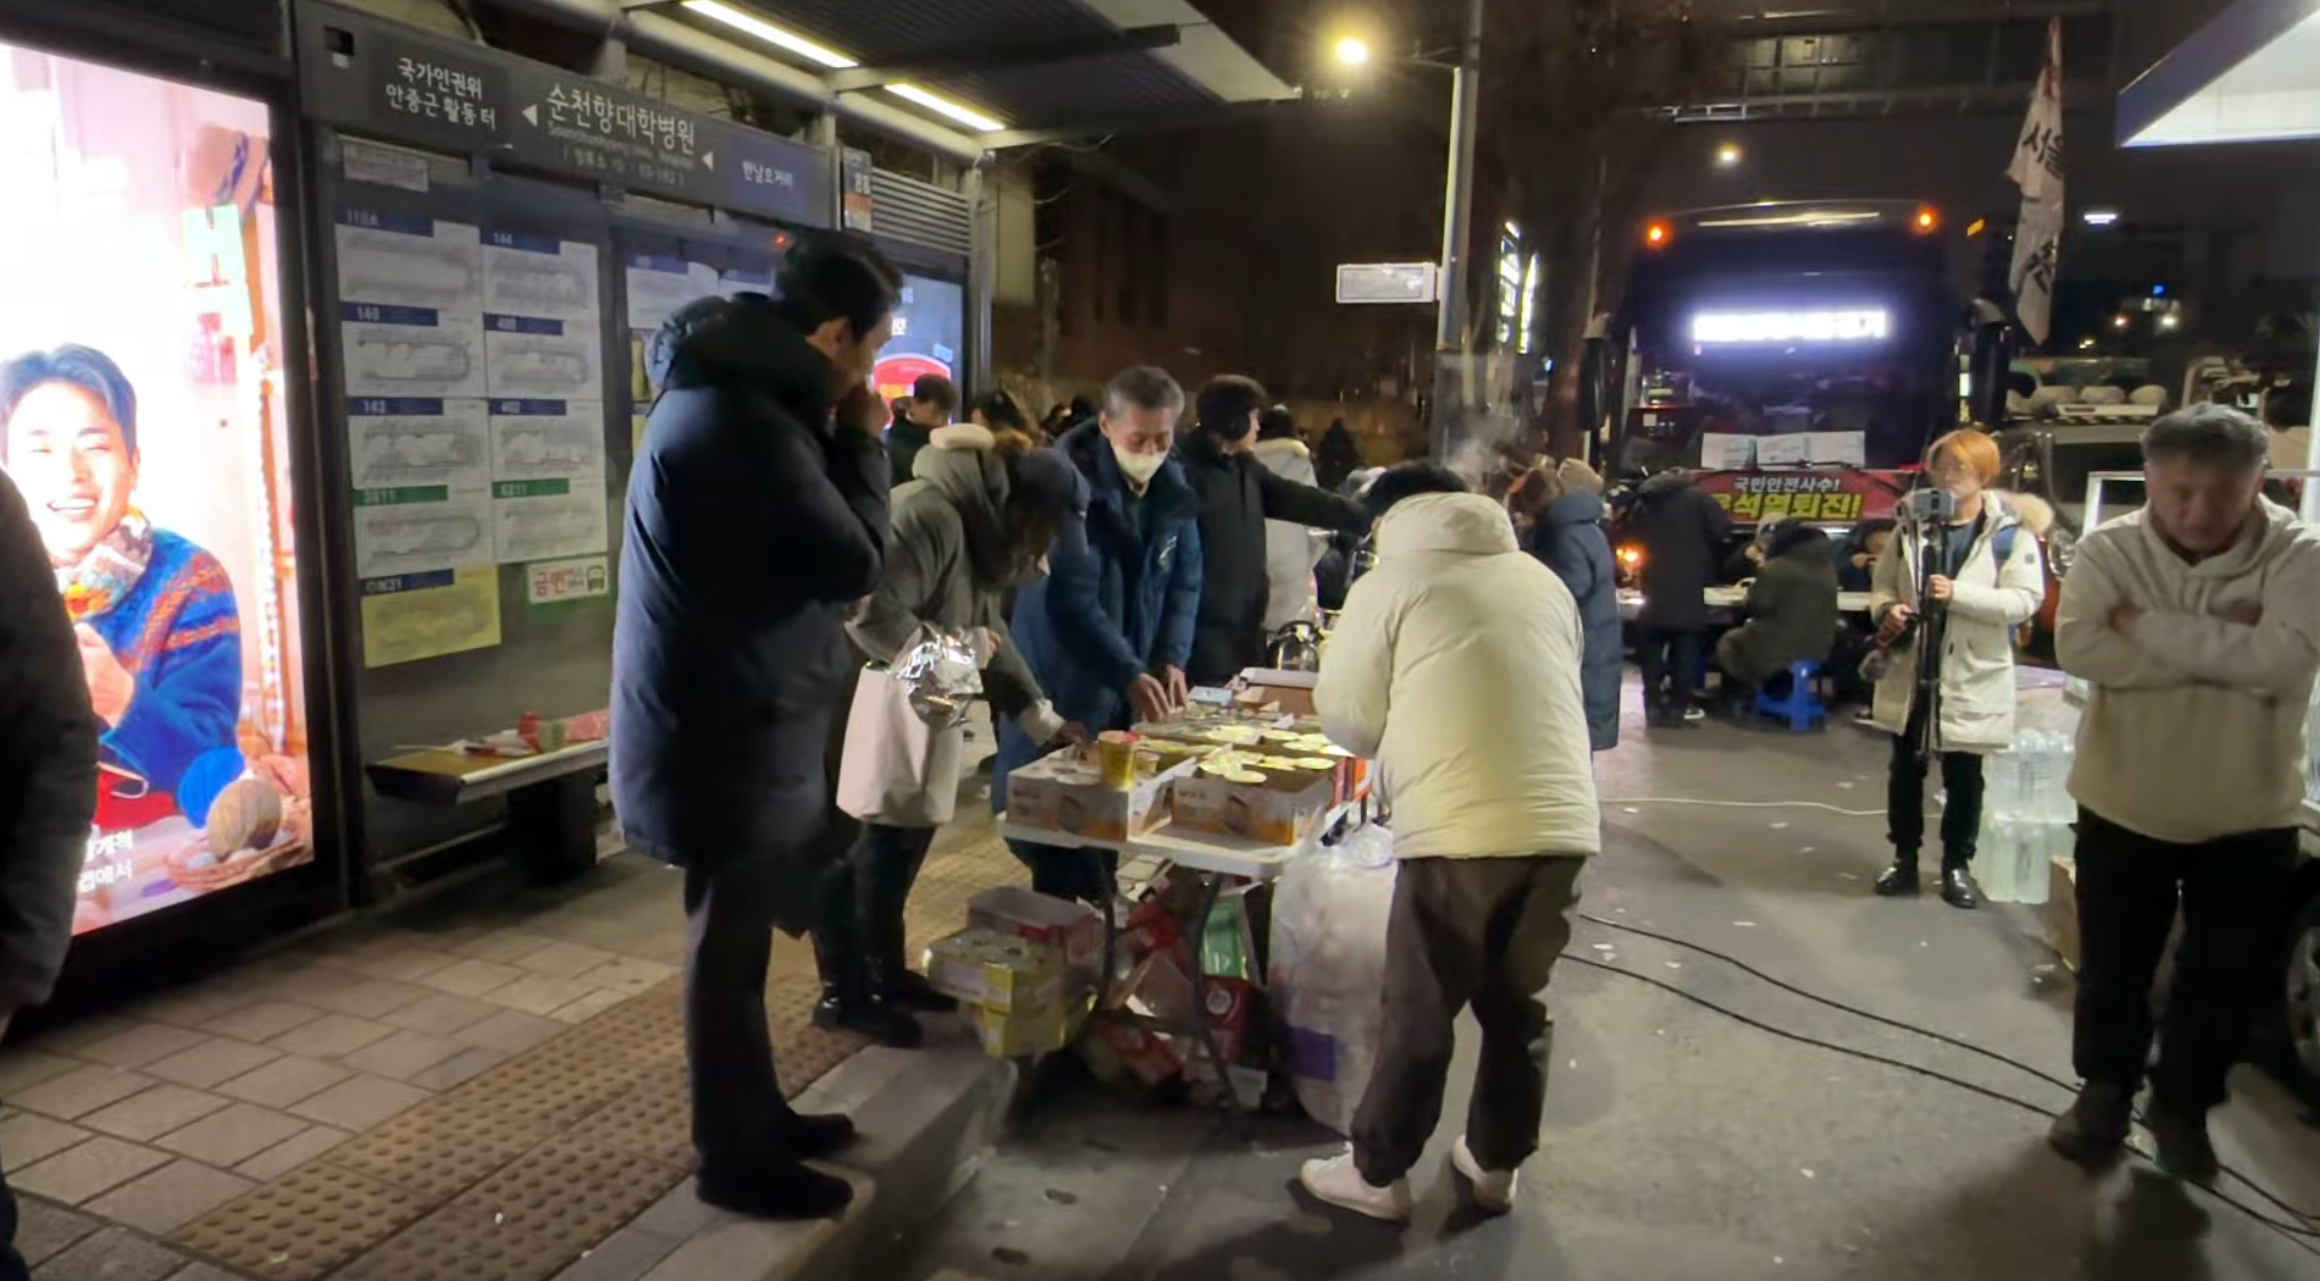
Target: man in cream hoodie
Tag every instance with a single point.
(1456, 666)
(2197, 621)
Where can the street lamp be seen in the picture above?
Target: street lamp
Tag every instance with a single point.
(1458, 195)
(1728, 155)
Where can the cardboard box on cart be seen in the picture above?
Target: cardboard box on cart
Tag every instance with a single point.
(1289, 692)
(1281, 807)
(1066, 793)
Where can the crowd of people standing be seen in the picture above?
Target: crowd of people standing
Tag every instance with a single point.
(1105, 563)
(1098, 573)
(786, 531)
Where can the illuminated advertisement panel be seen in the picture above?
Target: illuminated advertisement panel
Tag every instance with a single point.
(142, 417)
(929, 329)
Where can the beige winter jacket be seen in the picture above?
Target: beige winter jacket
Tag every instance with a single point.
(1456, 665)
(1977, 662)
(2196, 728)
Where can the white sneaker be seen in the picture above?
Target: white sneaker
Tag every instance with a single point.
(1695, 714)
(1338, 1181)
(1493, 1190)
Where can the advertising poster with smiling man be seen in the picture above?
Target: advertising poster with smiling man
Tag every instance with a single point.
(142, 417)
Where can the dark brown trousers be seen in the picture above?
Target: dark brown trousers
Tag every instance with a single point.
(1484, 932)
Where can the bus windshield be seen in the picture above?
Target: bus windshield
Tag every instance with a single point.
(1778, 324)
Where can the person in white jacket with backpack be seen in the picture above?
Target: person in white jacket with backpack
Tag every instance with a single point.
(1455, 665)
(1987, 578)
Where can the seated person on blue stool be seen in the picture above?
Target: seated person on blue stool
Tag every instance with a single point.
(1791, 614)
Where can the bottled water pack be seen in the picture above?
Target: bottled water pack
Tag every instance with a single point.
(2026, 816)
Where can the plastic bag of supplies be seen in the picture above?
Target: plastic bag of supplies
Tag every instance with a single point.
(1328, 969)
(903, 732)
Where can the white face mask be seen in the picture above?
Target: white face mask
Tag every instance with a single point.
(1138, 468)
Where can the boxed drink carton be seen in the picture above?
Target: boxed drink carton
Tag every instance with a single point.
(1161, 989)
(1066, 793)
(1227, 1011)
(1271, 805)
(1073, 928)
(1131, 1050)
(1012, 1034)
(1230, 1013)
(1157, 921)
(999, 971)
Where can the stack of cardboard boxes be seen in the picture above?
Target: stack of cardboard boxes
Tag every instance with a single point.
(1020, 970)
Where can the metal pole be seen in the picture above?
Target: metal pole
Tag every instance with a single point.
(1458, 196)
(1451, 397)
(982, 272)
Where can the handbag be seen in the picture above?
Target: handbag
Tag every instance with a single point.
(896, 770)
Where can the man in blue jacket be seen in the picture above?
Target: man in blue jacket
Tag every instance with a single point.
(757, 517)
(1108, 631)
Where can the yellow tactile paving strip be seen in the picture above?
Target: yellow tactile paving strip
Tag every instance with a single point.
(513, 1175)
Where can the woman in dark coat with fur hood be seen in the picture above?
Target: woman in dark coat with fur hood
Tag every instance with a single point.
(1567, 534)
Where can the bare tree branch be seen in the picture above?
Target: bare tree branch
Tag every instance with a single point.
(1572, 131)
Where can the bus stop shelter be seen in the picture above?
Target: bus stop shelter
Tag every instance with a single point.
(964, 79)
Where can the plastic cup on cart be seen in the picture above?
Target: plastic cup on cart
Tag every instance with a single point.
(1116, 756)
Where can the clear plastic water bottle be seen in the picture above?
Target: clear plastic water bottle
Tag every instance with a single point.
(2065, 809)
(2002, 793)
(2038, 775)
(1994, 862)
(2032, 855)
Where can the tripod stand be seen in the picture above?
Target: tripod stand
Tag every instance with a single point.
(1932, 633)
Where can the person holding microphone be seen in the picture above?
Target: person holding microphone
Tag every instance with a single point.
(1959, 576)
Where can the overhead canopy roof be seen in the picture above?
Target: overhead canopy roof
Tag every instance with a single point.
(1009, 71)
(2252, 74)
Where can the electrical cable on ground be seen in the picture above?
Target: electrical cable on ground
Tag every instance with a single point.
(1744, 805)
(1792, 989)
(2298, 1234)
(2294, 1212)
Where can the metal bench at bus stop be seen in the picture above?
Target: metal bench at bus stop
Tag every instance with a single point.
(551, 798)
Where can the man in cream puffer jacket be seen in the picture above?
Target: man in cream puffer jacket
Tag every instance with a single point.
(2197, 621)
(1456, 666)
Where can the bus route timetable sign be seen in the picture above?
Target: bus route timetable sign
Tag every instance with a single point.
(1385, 282)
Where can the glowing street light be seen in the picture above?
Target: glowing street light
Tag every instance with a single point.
(1728, 155)
(1352, 51)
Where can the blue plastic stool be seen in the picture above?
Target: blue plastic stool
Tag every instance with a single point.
(1802, 709)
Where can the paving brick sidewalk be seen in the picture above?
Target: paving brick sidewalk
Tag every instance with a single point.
(482, 1088)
